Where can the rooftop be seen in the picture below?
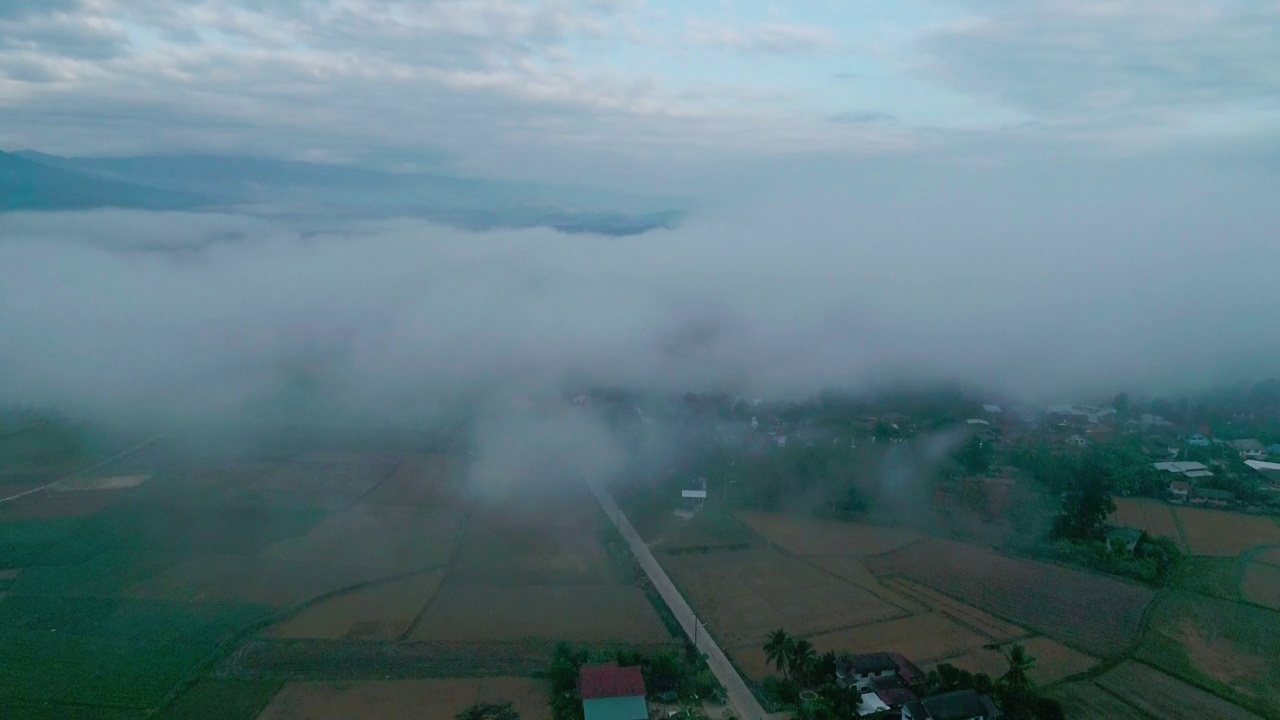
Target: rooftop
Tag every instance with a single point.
(1180, 467)
(1250, 445)
(610, 681)
(958, 705)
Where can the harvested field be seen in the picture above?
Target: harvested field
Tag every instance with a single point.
(1087, 701)
(1153, 516)
(113, 482)
(966, 615)
(1219, 644)
(1262, 584)
(1054, 660)
(539, 547)
(396, 699)
(579, 613)
(390, 539)
(382, 612)
(981, 660)
(45, 505)
(418, 480)
(1096, 614)
(745, 595)
(238, 578)
(924, 639)
(200, 522)
(809, 536)
(1270, 557)
(336, 482)
(1166, 697)
(1222, 533)
(855, 571)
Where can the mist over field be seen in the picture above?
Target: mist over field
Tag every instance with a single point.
(1074, 281)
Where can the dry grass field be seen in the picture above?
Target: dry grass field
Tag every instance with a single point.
(247, 579)
(808, 536)
(1088, 701)
(611, 614)
(46, 505)
(1226, 534)
(1054, 661)
(925, 639)
(1162, 696)
(114, 482)
(1229, 646)
(381, 612)
(1261, 584)
(399, 699)
(966, 615)
(1094, 614)
(391, 539)
(339, 480)
(745, 595)
(1153, 516)
(426, 480)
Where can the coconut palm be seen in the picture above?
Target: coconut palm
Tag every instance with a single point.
(1020, 662)
(778, 650)
(803, 659)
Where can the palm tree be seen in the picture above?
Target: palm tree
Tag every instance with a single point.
(1020, 664)
(778, 650)
(803, 659)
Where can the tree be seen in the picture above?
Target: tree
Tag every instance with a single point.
(1087, 503)
(489, 711)
(1017, 678)
(777, 650)
(1121, 405)
(975, 455)
(803, 659)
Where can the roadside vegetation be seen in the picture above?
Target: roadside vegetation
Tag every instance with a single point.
(673, 676)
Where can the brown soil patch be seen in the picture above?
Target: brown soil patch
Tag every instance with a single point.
(745, 595)
(1226, 534)
(582, 613)
(1262, 584)
(392, 540)
(238, 578)
(1218, 658)
(855, 571)
(382, 612)
(398, 699)
(1054, 660)
(809, 536)
(548, 545)
(1270, 557)
(1166, 697)
(114, 482)
(46, 505)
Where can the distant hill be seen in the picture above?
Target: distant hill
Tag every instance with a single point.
(38, 181)
(29, 185)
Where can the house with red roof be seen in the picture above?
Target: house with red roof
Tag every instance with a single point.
(610, 692)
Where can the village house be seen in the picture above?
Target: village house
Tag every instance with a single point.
(1077, 441)
(886, 681)
(1185, 468)
(610, 692)
(958, 705)
(1179, 490)
(1198, 440)
(1250, 449)
(1214, 498)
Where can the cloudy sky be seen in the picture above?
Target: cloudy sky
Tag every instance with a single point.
(565, 87)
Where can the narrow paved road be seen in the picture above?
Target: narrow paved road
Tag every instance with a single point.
(740, 697)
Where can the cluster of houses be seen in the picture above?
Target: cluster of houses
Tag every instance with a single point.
(1184, 485)
(888, 683)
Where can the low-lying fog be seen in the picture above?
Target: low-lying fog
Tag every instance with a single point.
(1044, 284)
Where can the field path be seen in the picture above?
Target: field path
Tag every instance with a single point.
(744, 703)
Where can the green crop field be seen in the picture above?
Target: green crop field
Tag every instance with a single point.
(107, 653)
(211, 699)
